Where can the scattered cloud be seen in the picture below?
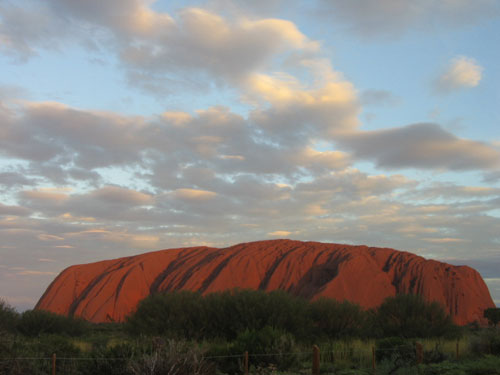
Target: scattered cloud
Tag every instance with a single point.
(423, 146)
(279, 233)
(378, 98)
(194, 194)
(391, 19)
(444, 240)
(463, 72)
(286, 151)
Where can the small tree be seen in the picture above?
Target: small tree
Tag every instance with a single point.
(493, 315)
(8, 317)
(410, 316)
(38, 322)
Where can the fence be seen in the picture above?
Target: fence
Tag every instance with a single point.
(311, 362)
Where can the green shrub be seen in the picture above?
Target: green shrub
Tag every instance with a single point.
(177, 314)
(232, 312)
(8, 317)
(486, 341)
(38, 322)
(108, 361)
(493, 315)
(410, 316)
(175, 358)
(224, 357)
(267, 346)
(221, 315)
(337, 320)
(391, 347)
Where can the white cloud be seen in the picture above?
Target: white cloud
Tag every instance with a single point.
(463, 72)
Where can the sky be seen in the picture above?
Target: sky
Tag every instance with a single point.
(128, 126)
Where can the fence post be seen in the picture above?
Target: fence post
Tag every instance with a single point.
(419, 349)
(315, 364)
(458, 349)
(54, 364)
(245, 363)
(374, 363)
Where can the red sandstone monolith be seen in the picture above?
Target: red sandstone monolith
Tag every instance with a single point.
(108, 291)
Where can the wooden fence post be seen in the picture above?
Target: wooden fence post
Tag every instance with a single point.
(419, 349)
(54, 364)
(245, 363)
(374, 363)
(315, 364)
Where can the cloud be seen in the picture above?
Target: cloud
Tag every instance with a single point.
(133, 17)
(194, 194)
(423, 146)
(119, 195)
(378, 98)
(158, 51)
(25, 29)
(13, 210)
(463, 72)
(296, 114)
(444, 240)
(279, 233)
(390, 18)
(202, 42)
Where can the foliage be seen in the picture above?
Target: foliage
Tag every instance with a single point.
(8, 317)
(189, 315)
(410, 316)
(254, 310)
(485, 341)
(270, 346)
(175, 314)
(109, 360)
(392, 347)
(337, 320)
(493, 315)
(488, 365)
(38, 322)
(175, 358)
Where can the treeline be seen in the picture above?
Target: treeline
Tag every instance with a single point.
(34, 323)
(225, 315)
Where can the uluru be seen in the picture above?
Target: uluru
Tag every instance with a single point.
(107, 291)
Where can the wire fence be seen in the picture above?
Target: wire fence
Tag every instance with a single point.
(313, 361)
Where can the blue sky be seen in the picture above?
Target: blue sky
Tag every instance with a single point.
(128, 126)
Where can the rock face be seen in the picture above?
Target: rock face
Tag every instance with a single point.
(107, 291)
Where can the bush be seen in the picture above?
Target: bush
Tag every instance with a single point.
(493, 315)
(388, 347)
(396, 355)
(8, 317)
(177, 314)
(269, 346)
(485, 342)
(38, 322)
(232, 312)
(337, 320)
(100, 364)
(220, 315)
(175, 358)
(409, 316)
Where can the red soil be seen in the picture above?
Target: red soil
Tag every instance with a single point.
(109, 290)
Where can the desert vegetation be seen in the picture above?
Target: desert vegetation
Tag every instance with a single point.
(187, 333)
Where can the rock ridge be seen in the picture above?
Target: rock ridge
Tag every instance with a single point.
(107, 291)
